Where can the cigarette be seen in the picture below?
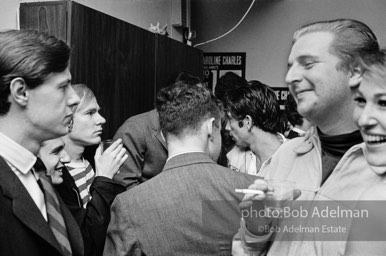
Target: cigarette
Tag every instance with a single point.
(249, 191)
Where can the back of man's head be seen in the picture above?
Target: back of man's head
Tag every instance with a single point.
(184, 76)
(228, 83)
(184, 106)
(259, 102)
(30, 55)
(352, 38)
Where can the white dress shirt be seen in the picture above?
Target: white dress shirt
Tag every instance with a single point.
(20, 160)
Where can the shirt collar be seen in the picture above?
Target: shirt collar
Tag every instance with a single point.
(299, 131)
(183, 153)
(15, 154)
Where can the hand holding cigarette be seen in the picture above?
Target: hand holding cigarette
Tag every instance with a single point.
(249, 191)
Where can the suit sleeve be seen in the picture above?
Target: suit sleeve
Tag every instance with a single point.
(245, 240)
(133, 140)
(96, 218)
(93, 220)
(121, 234)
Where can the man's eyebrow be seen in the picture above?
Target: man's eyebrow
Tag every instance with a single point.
(354, 88)
(306, 57)
(92, 109)
(57, 149)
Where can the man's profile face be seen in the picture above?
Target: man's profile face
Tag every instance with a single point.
(238, 134)
(88, 123)
(313, 78)
(49, 108)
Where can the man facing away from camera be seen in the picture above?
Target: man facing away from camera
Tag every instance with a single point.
(190, 208)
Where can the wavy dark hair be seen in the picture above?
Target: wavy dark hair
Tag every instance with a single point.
(227, 83)
(258, 101)
(291, 113)
(185, 105)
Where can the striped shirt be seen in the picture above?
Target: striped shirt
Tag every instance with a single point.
(83, 175)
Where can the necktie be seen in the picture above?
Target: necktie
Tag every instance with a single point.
(54, 213)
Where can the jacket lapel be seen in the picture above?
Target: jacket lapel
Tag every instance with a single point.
(158, 135)
(23, 207)
(154, 119)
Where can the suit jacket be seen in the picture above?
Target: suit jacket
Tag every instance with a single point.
(23, 229)
(93, 220)
(191, 208)
(146, 149)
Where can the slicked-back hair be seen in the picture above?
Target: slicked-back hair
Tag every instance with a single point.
(259, 102)
(30, 55)
(352, 38)
(184, 106)
(85, 95)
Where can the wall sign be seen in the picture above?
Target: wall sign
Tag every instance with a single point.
(216, 64)
(281, 95)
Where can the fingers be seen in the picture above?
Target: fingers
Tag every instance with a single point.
(121, 151)
(123, 159)
(114, 146)
(245, 204)
(297, 193)
(259, 184)
(249, 197)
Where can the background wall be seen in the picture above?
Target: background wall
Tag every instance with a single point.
(266, 33)
(137, 12)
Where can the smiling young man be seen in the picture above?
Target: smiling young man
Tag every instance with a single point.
(93, 219)
(36, 101)
(322, 67)
(54, 157)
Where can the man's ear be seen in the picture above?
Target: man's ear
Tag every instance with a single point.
(355, 77)
(19, 92)
(211, 127)
(248, 121)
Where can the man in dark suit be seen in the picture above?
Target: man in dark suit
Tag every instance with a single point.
(190, 208)
(36, 101)
(146, 149)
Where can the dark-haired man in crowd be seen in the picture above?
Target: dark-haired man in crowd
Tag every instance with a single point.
(231, 155)
(254, 121)
(36, 101)
(190, 208)
(298, 125)
(322, 67)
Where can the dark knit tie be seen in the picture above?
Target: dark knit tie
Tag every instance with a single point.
(54, 213)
